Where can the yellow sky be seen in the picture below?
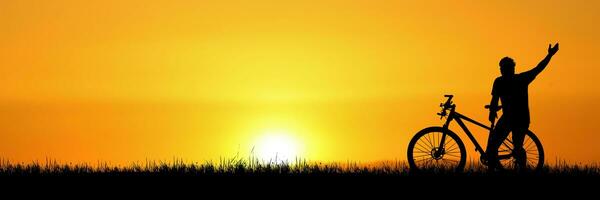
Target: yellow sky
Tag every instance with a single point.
(122, 81)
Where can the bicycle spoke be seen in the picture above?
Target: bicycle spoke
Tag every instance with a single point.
(532, 153)
(526, 144)
(453, 155)
(507, 146)
(424, 146)
(452, 145)
(429, 141)
(507, 143)
(420, 156)
(452, 150)
(509, 140)
(527, 147)
(422, 150)
(440, 139)
(435, 141)
(533, 161)
(422, 160)
(432, 139)
(427, 151)
(526, 139)
(423, 143)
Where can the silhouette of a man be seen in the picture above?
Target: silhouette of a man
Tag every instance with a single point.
(512, 90)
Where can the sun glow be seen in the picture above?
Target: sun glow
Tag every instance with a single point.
(278, 146)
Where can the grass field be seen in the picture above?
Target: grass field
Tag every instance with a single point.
(253, 167)
(245, 177)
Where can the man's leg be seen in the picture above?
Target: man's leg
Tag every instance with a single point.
(495, 139)
(519, 152)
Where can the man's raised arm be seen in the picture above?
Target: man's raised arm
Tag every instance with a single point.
(542, 65)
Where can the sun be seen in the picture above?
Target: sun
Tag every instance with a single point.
(278, 146)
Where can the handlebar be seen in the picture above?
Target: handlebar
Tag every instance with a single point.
(490, 107)
(445, 106)
(448, 103)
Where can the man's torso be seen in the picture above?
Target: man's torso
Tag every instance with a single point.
(513, 93)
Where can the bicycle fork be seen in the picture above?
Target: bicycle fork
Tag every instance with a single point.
(441, 148)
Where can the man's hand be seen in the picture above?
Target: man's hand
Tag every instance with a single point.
(492, 116)
(552, 50)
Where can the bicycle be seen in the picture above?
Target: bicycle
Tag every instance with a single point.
(440, 148)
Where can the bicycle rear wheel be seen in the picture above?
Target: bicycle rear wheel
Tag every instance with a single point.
(534, 153)
(426, 153)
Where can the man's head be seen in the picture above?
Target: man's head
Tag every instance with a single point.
(507, 66)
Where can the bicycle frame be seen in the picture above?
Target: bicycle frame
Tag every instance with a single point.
(458, 118)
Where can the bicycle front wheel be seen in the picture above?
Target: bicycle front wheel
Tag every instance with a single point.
(425, 151)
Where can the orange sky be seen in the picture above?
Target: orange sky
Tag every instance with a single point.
(123, 81)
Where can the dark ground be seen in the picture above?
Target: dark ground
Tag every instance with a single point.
(376, 187)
